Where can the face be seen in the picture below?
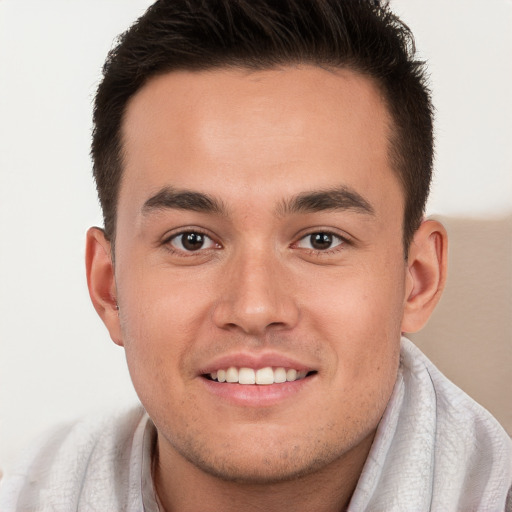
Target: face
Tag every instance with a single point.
(259, 238)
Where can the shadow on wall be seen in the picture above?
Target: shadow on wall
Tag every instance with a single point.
(469, 336)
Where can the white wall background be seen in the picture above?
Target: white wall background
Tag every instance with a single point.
(56, 359)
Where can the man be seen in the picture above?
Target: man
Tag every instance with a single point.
(263, 170)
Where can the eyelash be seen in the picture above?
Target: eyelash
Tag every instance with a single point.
(167, 243)
(343, 242)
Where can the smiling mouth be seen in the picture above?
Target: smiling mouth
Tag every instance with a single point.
(262, 376)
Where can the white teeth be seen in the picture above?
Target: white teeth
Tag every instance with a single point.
(279, 375)
(262, 376)
(246, 376)
(265, 376)
(232, 374)
(291, 375)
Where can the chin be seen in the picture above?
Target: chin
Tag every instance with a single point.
(260, 470)
(265, 463)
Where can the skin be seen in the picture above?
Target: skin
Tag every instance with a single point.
(253, 142)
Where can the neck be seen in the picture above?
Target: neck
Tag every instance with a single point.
(183, 487)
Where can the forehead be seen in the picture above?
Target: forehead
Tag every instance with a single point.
(297, 128)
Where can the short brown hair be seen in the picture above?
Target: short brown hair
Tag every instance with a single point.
(361, 35)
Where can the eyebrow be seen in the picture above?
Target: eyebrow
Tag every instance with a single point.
(339, 198)
(169, 197)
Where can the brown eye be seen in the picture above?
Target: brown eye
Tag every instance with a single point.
(320, 241)
(192, 241)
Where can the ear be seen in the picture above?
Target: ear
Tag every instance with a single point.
(426, 274)
(101, 281)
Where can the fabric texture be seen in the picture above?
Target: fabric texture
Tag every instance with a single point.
(435, 450)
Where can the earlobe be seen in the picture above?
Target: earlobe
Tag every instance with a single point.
(426, 274)
(101, 281)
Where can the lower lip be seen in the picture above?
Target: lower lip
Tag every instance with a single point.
(254, 395)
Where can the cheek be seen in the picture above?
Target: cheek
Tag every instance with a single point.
(359, 315)
(162, 303)
(161, 319)
(366, 300)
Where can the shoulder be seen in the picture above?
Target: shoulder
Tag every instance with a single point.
(471, 452)
(454, 410)
(63, 463)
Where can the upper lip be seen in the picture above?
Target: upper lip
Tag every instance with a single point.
(255, 361)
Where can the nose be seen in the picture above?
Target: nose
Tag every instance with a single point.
(255, 295)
